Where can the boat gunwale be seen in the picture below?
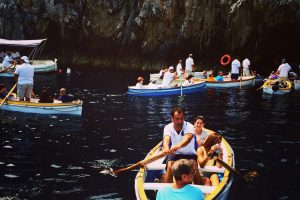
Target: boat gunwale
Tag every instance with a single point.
(139, 180)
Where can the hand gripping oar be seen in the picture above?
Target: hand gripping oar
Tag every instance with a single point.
(144, 162)
(12, 89)
(247, 177)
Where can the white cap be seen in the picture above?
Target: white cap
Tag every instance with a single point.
(171, 67)
(25, 59)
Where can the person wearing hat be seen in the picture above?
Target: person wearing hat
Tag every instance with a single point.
(283, 71)
(189, 65)
(24, 77)
(169, 76)
(140, 82)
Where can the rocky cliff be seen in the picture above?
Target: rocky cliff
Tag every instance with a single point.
(148, 33)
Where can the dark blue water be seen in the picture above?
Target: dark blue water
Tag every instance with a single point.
(55, 157)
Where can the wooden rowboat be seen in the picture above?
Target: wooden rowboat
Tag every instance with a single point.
(145, 184)
(39, 66)
(227, 83)
(268, 88)
(196, 87)
(72, 108)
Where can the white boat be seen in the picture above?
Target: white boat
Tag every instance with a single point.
(71, 108)
(40, 66)
(227, 83)
(297, 84)
(145, 184)
(268, 87)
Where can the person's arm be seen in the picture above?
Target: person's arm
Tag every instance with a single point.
(166, 142)
(202, 158)
(185, 141)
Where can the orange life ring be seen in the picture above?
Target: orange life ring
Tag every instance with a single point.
(225, 60)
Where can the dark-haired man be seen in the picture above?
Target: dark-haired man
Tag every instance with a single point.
(183, 171)
(179, 139)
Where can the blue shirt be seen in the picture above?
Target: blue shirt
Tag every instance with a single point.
(187, 192)
(219, 78)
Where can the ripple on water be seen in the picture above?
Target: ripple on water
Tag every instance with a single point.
(11, 176)
(73, 190)
(55, 166)
(105, 196)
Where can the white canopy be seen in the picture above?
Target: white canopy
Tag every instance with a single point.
(25, 43)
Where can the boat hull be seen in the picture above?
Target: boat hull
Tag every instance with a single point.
(268, 88)
(145, 176)
(227, 83)
(132, 91)
(44, 108)
(297, 84)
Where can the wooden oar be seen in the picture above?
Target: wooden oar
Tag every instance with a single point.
(247, 177)
(12, 89)
(141, 163)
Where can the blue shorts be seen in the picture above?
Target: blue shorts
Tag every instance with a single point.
(234, 76)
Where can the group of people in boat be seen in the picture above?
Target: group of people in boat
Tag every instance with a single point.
(168, 74)
(188, 146)
(279, 78)
(24, 75)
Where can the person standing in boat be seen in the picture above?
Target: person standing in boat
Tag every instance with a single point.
(169, 76)
(283, 71)
(183, 172)
(211, 148)
(235, 69)
(24, 77)
(179, 68)
(201, 134)
(179, 140)
(246, 67)
(189, 65)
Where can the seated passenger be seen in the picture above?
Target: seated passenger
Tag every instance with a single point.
(45, 97)
(169, 76)
(3, 91)
(201, 134)
(188, 81)
(220, 76)
(183, 173)
(210, 77)
(152, 85)
(210, 148)
(162, 72)
(64, 97)
(140, 82)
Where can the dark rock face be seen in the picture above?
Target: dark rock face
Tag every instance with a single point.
(148, 33)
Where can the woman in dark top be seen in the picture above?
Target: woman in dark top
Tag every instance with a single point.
(45, 97)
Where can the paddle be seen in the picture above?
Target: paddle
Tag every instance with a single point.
(12, 89)
(10, 67)
(144, 162)
(181, 84)
(247, 177)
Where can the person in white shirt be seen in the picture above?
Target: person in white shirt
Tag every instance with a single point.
(7, 62)
(169, 76)
(140, 82)
(235, 69)
(179, 68)
(246, 67)
(24, 77)
(189, 65)
(283, 71)
(179, 141)
(152, 85)
(188, 81)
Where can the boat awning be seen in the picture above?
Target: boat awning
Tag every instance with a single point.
(24, 43)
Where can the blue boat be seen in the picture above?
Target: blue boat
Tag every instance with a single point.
(196, 87)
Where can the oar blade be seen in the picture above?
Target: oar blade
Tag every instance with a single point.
(108, 171)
